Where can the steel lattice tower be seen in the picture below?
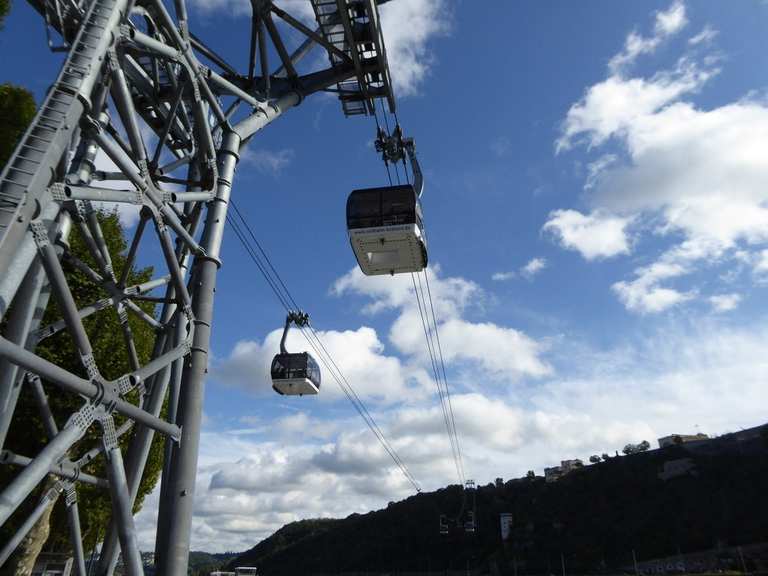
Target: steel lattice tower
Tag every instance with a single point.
(136, 78)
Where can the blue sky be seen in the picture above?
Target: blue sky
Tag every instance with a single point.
(596, 180)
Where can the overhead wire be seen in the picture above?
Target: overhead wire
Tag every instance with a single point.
(434, 347)
(286, 299)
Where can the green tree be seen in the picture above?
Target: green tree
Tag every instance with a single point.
(17, 108)
(106, 338)
(5, 7)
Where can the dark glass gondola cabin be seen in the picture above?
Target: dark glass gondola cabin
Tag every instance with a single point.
(294, 374)
(386, 230)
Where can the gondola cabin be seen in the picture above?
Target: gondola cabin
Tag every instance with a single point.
(386, 230)
(295, 374)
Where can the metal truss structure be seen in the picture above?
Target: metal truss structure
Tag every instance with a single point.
(138, 87)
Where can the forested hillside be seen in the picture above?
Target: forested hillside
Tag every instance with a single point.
(593, 517)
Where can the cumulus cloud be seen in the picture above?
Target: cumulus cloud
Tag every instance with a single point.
(500, 350)
(408, 27)
(267, 161)
(639, 389)
(533, 267)
(645, 295)
(704, 37)
(725, 302)
(668, 23)
(594, 236)
(616, 105)
(693, 176)
(502, 276)
(528, 271)
(359, 353)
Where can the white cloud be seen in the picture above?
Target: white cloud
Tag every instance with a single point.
(761, 263)
(692, 176)
(359, 353)
(267, 161)
(644, 294)
(503, 276)
(704, 37)
(668, 23)
(408, 27)
(614, 106)
(668, 382)
(533, 267)
(499, 350)
(596, 235)
(725, 302)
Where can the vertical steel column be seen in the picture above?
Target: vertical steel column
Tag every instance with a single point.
(121, 504)
(181, 491)
(75, 534)
(19, 323)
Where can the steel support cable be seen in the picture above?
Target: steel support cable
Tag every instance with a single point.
(264, 254)
(367, 415)
(405, 163)
(317, 344)
(442, 388)
(436, 373)
(445, 377)
(437, 337)
(386, 123)
(378, 131)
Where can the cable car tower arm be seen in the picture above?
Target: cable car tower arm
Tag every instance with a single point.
(171, 116)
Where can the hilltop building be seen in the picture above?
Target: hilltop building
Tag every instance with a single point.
(675, 439)
(554, 473)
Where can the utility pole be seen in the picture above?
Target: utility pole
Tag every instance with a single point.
(133, 68)
(741, 558)
(634, 561)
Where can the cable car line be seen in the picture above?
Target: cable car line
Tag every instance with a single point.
(436, 373)
(445, 377)
(386, 233)
(286, 299)
(434, 346)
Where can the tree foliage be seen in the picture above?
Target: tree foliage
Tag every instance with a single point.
(5, 7)
(17, 108)
(106, 338)
(630, 449)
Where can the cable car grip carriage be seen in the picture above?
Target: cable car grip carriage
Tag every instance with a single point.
(385, 224)
(294, 374)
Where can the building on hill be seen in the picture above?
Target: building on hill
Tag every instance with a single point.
(571, 465)
(676, 439)
(554, 473)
